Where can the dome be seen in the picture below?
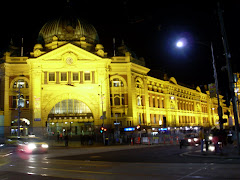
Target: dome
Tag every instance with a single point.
(68, 28)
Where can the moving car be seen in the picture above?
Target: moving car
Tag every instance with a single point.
(27, 144)
(190, 140)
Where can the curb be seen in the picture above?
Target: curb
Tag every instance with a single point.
(209, 156)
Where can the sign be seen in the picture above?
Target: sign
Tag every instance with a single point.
(37, 119)
(212, 90)
(129, 129)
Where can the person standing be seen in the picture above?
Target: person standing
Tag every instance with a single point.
(201, 137)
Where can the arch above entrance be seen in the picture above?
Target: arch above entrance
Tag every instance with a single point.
(70, 109)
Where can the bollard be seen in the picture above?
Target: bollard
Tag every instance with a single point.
(131, 141)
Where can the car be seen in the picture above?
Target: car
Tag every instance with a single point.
(190, 140)
(27, 144)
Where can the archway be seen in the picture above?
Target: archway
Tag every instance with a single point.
(70, 116)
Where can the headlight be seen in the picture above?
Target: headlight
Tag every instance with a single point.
(189, 140)
(195, 139)
(32, 146)
(210, 138)
(44, 145)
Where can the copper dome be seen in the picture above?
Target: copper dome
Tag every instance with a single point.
(68, 28)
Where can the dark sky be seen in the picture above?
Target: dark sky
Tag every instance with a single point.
(150, 28)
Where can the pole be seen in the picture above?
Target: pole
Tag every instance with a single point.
(230, 74)
(102, 113)
(19, 110)
(217, 91)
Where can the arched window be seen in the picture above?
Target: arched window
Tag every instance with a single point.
(139, 102)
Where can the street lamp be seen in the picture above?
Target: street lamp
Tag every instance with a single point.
(181, 43)
(19, 104)
(102, 117)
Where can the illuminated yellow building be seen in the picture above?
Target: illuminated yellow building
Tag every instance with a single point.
(69, 83)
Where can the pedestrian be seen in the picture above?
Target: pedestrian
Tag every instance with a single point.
(66, 140)
(201, 138)
(61, 137)
(215, 140)
(206, 136)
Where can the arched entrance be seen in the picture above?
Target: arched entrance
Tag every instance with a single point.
(70, 116)
(24, 127)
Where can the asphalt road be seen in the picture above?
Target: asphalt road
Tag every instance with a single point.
(156, 162)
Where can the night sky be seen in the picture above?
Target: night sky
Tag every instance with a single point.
(149, 28)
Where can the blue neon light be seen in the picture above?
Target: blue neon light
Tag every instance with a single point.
(162, 129)
(129, 129)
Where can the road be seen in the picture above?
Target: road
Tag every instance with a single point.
(139, 162)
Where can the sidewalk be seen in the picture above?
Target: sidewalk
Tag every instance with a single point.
(228, 152)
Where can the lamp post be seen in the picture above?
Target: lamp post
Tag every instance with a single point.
(230, 74)
(180, 44)
(102, 117)
(19, 106)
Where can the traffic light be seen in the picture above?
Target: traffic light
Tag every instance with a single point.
(101, 129)
(222, 121)
(138, 127)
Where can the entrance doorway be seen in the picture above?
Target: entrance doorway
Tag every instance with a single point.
(70, 116)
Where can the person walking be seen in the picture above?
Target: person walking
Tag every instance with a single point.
(201, 137)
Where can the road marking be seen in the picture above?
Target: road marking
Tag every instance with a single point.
(78, 163)
(188, 175)
(79, 171)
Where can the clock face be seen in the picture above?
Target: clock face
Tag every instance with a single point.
(69, 60)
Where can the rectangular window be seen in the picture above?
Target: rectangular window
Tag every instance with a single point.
(51, 76)
(75, 76)
(87, 76)
(14, 102)
(123, 102)
(63, 76)
(154, 119)
(153, 99)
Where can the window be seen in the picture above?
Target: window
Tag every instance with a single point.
(87, 76)
(63, 76)
(162, 102)
(116, 100)
(153, 99)
(138, 84)
(154, 119)
(75, 76)
(116, 83)
(21, 83)
(123, 102)
(139, 118)
(14, 103)
(51, 76)
(139, 102)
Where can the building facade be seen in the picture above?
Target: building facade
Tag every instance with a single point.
(70, 84)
